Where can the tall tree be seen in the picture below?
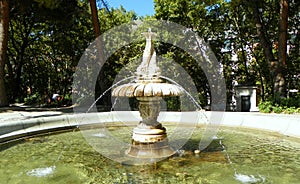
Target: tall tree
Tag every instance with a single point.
(45, 43)
(293, 60)
(4, 21)
(209, 20)
(276, 66)
(95, 19)
(280, 86)
(252, 30)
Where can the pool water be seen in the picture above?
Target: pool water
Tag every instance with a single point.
(250, 156)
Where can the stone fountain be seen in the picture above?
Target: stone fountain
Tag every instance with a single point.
(149, 139)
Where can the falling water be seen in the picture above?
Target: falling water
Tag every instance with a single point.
(107, 91)
(197, 105)
(226, 155)
(45, 171)
(241, 177)
(113, 105)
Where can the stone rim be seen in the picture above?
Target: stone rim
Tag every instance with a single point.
(149, 89)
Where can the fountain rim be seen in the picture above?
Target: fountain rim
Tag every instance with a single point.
(20, 129)
(146, 88)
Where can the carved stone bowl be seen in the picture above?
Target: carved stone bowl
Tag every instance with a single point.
(145, 88)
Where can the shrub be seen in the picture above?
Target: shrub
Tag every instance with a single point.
(286, 105)
(33, 99)
(67, 100)
(277, 108)
(290, 110)
(265, 107)
(290, 102)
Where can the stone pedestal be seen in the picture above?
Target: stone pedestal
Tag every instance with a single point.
(151, 150)
(245, 97)
(149, 139)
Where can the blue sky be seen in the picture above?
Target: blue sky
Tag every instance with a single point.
(141, 7)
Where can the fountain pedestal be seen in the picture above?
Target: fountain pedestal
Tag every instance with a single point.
(149, 108)
(149, 139)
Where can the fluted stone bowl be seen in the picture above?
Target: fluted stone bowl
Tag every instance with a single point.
(145, 88)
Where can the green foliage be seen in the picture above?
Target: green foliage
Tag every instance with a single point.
(38, 99)
(277, 109)
(33, 99)
(292, 110)
(173, 104)
(67, 100)
(286, 105)
(265, 107)
(49, 4)
(47, 39)
(229, 28)
(290, 102)
(45, 44)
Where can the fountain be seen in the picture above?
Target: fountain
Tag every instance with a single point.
(149, 139)
(36, 149)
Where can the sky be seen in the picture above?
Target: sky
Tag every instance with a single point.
(140, 7)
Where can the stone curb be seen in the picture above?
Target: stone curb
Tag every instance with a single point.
(284, 124)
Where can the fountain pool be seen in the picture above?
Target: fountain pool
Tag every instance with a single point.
(239, 155)
(254, 157)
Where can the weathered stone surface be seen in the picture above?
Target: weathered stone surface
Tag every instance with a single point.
(147, 90)
(148, 68)
(149, 139)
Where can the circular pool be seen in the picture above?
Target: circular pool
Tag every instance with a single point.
(249, 156)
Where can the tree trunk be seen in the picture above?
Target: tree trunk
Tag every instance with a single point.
(276, 66)
(280, 85)
(102, 82)
(4, 20)
(261, 32)
(95, 19)
(96, 26)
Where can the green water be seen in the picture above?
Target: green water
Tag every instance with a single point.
(68, 158)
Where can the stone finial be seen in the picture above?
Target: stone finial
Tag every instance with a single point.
(148, 69)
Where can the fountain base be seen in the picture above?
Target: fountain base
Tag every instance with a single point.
(150, 142)
(149, 134)
(150, 150)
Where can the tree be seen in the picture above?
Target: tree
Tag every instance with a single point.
(280, 84)
(249, 38)
(209, 20)
(109, 19)
(293, 58)
(45, 44)
(277, 65)
(46, 41)
(4, 21)
(95, 19)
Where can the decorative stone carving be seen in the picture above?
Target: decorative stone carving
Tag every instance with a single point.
(149, 110)
(148, 68)
(149, 139)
